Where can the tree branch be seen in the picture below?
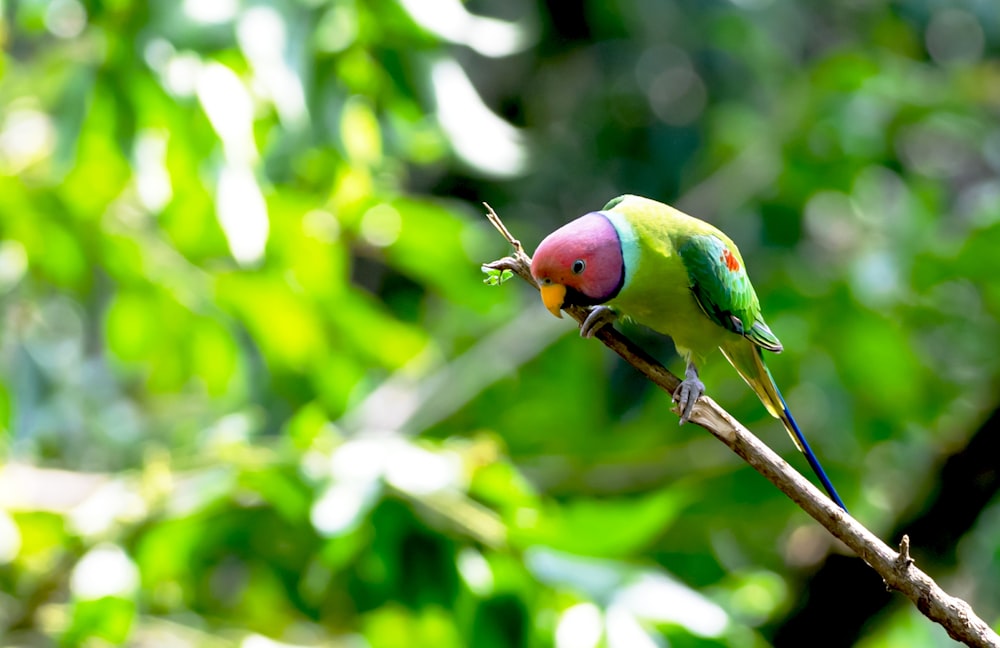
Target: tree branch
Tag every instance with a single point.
(895, 568)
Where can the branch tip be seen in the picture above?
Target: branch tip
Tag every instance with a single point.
(904, 559)
(497, 223)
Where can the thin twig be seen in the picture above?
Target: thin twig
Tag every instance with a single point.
(895, 568)
(497, 223)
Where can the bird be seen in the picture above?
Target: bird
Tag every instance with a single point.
(643, 260)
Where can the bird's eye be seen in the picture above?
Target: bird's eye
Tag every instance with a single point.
(578, 266)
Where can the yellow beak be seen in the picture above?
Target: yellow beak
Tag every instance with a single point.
(553, 295)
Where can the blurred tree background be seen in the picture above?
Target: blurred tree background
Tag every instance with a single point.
(253, 391)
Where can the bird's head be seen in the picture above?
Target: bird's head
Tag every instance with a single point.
(579, 264)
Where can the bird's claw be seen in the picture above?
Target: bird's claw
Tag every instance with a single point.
(596, 318)
(686, 395)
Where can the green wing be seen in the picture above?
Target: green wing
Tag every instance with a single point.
(723, 290)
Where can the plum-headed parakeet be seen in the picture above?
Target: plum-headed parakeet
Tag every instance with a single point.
(677, 275)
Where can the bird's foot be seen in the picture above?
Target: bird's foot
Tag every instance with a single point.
(688, 393)
(596, 318)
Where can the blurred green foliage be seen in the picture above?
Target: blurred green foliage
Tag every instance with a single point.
(254, 392)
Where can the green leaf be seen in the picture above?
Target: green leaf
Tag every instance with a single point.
(594, 527)
(109, 619)
(360, 132)
(496, 277)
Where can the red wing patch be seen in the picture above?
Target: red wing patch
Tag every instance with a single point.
(731, 262)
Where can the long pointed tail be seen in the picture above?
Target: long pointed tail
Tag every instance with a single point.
(800, 440)
(747, 359)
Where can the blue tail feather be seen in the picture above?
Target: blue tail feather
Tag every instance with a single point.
(748, 360)
(811, 457)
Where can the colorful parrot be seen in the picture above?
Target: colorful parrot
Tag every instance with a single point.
(679, 276)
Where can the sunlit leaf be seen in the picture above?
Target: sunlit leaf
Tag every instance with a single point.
(101, 170)
(365, 326)
(132, 326)
(214, 356)
(308, 425)
(43, 536)
(284, 492)
(283, 323)
(395, 627)
(612, 527)
(109, 619)
(360, 132)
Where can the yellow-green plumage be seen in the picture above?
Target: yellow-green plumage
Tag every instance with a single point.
(677, 275)
(659, 291)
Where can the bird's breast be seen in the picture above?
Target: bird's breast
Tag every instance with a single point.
(670, 308)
